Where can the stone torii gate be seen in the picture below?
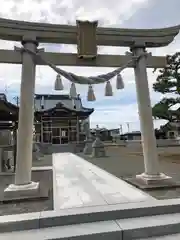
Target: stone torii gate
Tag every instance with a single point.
(31, 34)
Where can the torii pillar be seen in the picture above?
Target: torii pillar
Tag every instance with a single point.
(23, 186)
(152, 172)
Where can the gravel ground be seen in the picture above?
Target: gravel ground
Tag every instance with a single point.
(126, 162)
(32, 205)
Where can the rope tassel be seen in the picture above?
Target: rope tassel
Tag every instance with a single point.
(58, 86)
(91, 96)
(108, 89)
(73, 92)
(119, 82)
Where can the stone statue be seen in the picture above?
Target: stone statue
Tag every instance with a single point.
(88, 142)
(37, 154)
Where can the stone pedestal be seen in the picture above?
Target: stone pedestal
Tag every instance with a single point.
(151, 163)
(19, 191)
(153, 179)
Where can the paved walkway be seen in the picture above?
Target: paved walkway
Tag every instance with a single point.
(78, 183)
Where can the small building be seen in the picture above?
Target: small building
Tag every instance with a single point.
(135, 135)
(8, 129)
(115, 132)
(171, 130)
(107, 134)
(58, 119)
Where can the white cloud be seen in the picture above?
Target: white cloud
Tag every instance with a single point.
(108, 13)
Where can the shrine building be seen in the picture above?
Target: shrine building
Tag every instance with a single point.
(57, 118)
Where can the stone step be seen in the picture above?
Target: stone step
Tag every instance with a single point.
(121, 229)
(89, 231)
(151, 226)
(87, 215)
(166, 237)
(107, 213)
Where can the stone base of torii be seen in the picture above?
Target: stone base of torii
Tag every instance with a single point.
(23, 184)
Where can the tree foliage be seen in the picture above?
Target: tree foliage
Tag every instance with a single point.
(168, 83)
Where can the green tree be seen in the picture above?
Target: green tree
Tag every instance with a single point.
(168, 83)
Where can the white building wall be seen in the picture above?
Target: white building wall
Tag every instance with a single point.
(52, 103)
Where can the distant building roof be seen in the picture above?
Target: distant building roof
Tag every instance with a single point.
(134, 133)
(105, 130)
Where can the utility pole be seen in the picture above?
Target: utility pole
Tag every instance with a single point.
(6, 90)
(128, 127)
(16, 100)
(121, 129)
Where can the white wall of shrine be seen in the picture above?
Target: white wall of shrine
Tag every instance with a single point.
(50, 103)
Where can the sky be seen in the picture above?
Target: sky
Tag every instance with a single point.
(111, 112)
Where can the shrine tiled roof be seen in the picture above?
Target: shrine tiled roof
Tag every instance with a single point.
(8, 106)
(8, 111)
(63, 104)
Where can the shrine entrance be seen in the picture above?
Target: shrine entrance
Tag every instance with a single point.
(57, 135)
(87, 36)
(60, 135)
